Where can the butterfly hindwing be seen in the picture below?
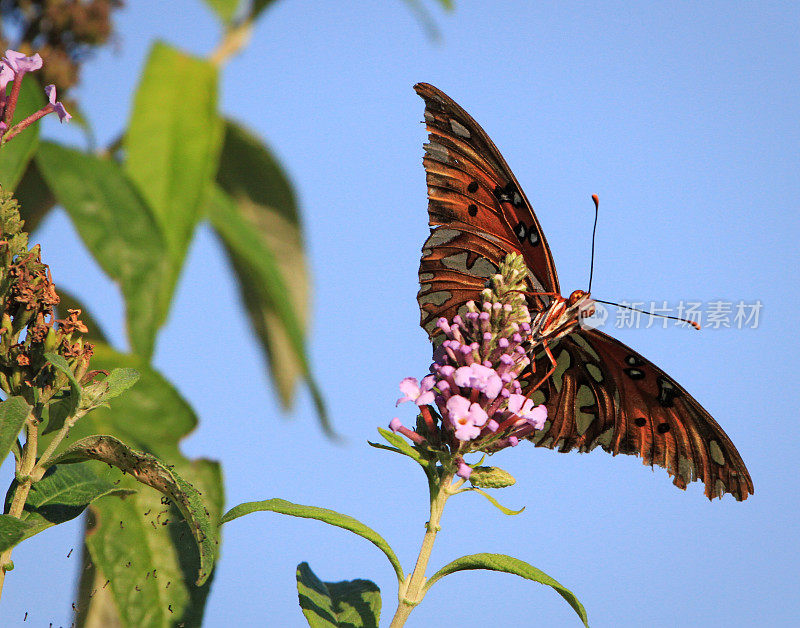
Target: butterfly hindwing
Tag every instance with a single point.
(605, 393)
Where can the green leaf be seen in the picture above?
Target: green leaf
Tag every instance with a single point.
(508, 564)
(13, 412)
(62, 494)
(247, 246)
(268, 206)
(153, 417)
(495, 503)
(147, 552)
(12, 531)
(350, 603)
(117, 227)
(401, 444)
(15, 155)
(117, 382)
(225, 9)
(330, 517)
(491, 477)
(148, 470)
(34, 196)
(173, 141)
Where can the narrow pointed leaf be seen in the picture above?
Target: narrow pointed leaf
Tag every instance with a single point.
(400, 443)
(13, 412)
(173, 140)
(248, 247)
(509, 564)
(62, 494)
(496, 504)
(15, 155)
(346, 604)
(117, 227)
(330, 517)
(12, 531)
(268, 206)
(148, 470)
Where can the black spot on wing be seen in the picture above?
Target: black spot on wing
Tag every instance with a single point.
(666, 392)
(633, 360)
(634, 373)
(508, 194)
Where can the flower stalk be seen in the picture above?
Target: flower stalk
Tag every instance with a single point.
(413, 589)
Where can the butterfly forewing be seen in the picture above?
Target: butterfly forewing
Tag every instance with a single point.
(477, 213)
(601, 392)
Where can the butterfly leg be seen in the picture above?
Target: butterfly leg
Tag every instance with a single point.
(549, 373)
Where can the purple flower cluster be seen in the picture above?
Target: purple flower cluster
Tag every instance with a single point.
(472, 400)
(13, 67)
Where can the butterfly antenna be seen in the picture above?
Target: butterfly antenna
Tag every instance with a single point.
(594, 231)
(694, 324)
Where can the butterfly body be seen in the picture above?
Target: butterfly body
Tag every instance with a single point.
(598, 391)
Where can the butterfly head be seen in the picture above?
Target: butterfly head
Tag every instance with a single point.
(581, 300)
(576, 297)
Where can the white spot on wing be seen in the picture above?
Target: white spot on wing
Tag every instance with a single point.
(440, 236)
(437, 298)
(716, 452)
(459, 129)
(481, 268)
(437, 151)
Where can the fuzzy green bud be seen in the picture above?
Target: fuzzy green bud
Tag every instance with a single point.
(51, 340)
(491, 477)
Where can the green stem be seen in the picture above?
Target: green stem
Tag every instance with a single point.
(413, 589)
(40, 466)
(23, 486)
(234, 40)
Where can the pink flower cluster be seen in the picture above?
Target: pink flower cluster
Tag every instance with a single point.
(472, 400)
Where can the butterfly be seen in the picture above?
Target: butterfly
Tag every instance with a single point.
(597, 390)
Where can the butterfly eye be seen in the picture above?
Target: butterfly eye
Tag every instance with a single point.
(575, 297)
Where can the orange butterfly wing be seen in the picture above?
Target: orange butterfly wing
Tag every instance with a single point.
(604, 393)
(477, 213)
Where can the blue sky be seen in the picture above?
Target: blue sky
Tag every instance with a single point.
(682, 117)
